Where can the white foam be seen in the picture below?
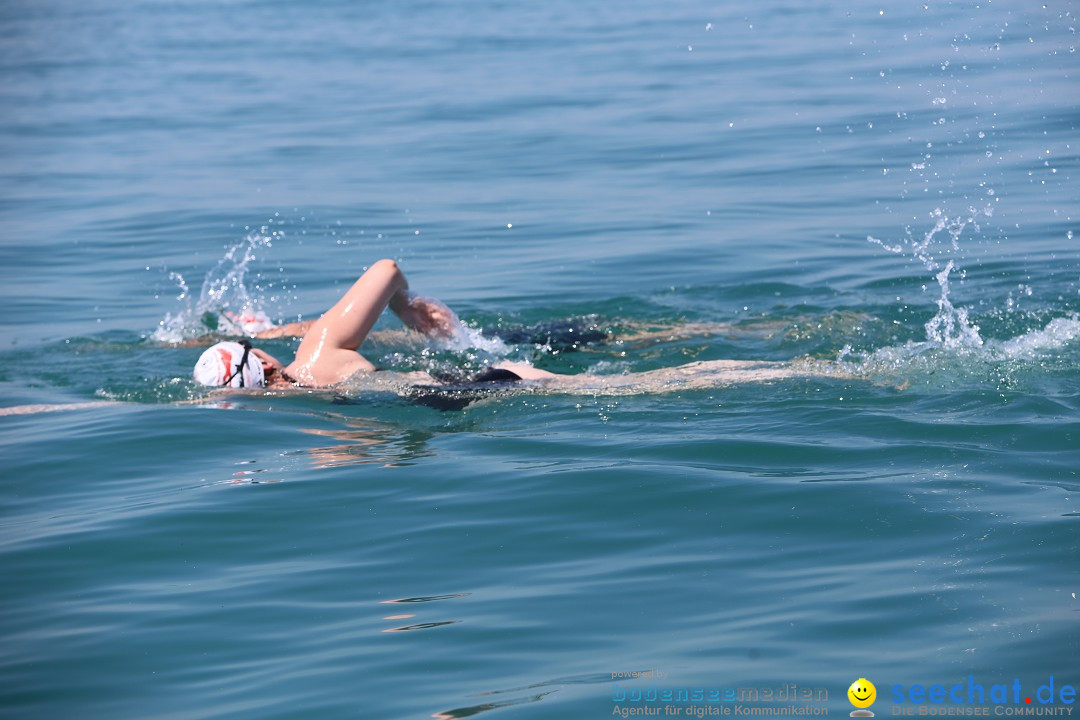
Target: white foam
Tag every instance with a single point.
(1058, 333)
(932, 356)
(464, 338)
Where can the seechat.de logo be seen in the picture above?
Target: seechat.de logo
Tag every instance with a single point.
(862, 695)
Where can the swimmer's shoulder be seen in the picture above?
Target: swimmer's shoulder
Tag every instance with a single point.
(332, 368)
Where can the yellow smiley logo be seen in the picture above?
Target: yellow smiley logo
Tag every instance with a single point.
(862, 693)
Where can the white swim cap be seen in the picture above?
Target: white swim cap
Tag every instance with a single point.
(230, 364)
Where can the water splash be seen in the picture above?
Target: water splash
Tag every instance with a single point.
(180, 283)
(950, 327)
(466, 338)
(1004, 364)
(224, 306)
(954, 351)
(1034, 344)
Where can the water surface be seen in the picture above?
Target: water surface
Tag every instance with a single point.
(888, 188)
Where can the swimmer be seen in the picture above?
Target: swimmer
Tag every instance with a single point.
(328, 356)
(328, 353)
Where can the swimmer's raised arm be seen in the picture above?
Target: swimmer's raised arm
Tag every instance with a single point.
(349, 321)
(328, 352)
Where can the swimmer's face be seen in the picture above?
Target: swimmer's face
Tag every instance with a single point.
(270, 364)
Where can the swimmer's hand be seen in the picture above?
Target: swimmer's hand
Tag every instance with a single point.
(425, 315)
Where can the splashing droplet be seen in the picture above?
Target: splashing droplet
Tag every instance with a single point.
(950, 327)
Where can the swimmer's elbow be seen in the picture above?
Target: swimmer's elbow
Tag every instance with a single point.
(386, 265)
(390, 273)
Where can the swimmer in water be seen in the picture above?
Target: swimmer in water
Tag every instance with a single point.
(328, 354)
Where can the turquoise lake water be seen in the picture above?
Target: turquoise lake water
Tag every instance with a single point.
(888, 189)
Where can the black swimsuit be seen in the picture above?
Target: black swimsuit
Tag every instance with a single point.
(496, 375)
(491, 375)
(450, 396)
(459, 395)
